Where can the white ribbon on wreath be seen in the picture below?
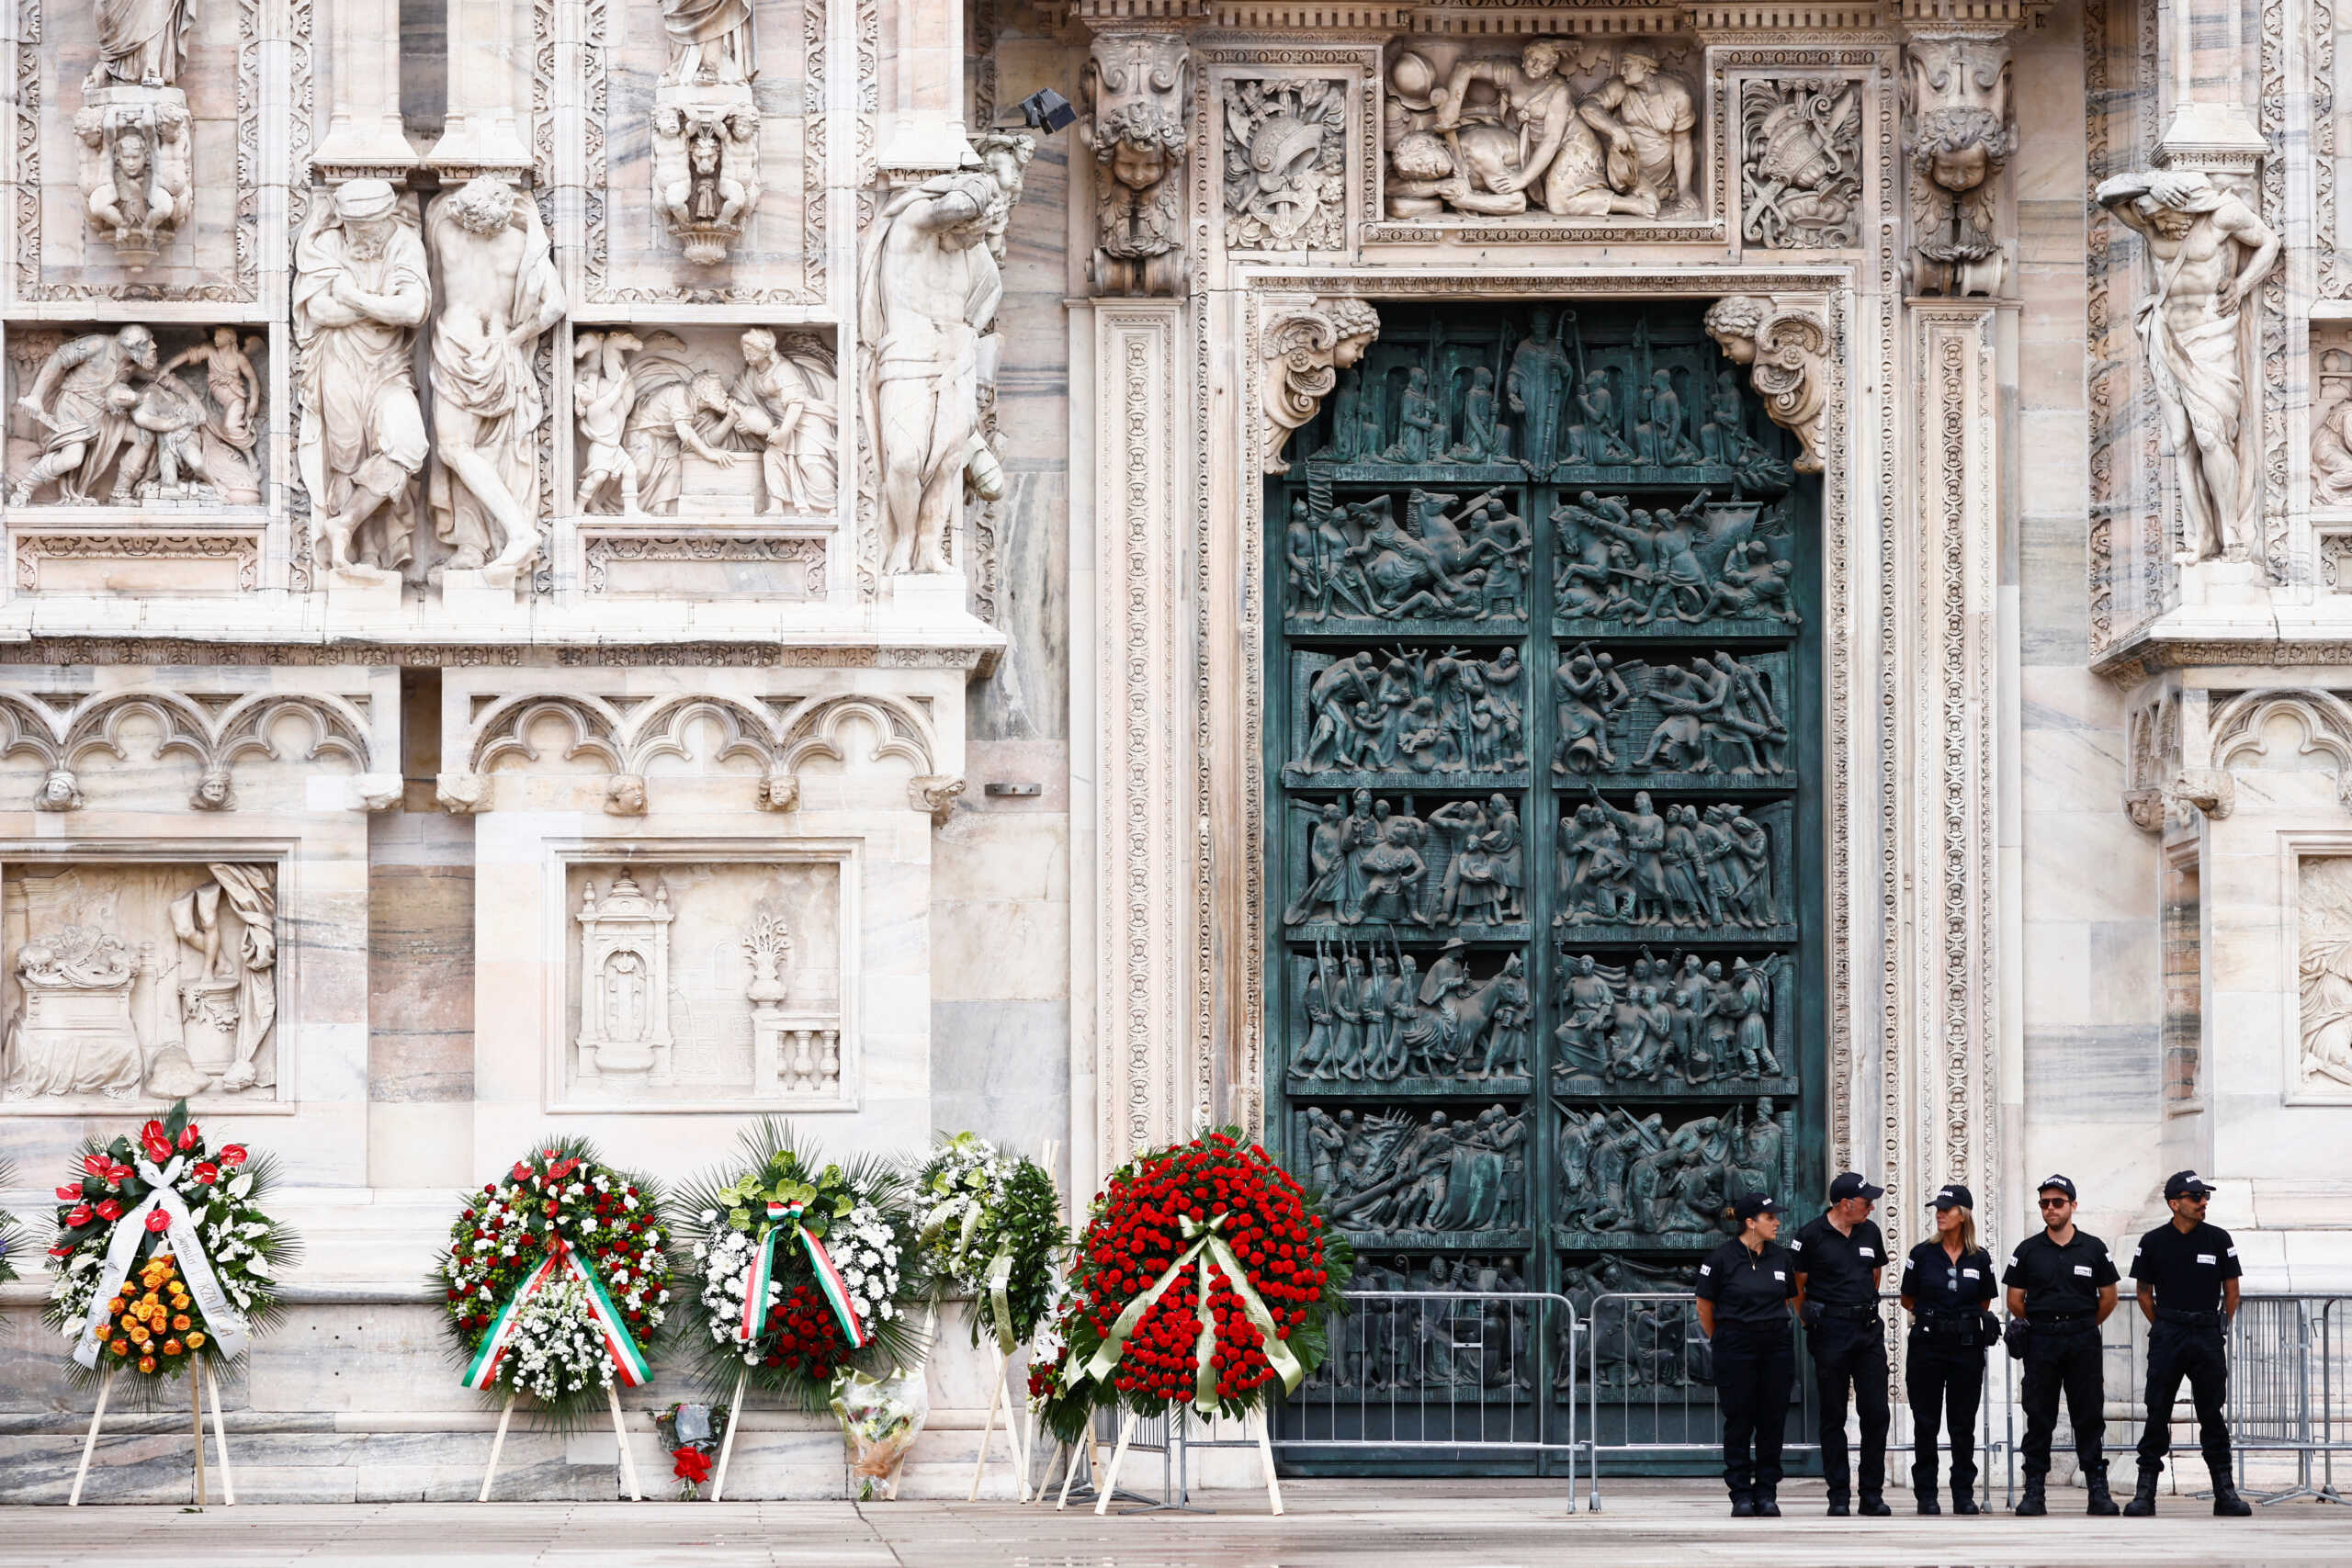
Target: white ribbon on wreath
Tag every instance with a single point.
(225, 1324)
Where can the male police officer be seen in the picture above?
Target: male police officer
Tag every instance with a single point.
(1744, 1290)
(2188, 1273)
(2063, 1283)
(1838, 1258)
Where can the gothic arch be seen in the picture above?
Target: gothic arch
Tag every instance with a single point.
(504, 730)
(815, 730)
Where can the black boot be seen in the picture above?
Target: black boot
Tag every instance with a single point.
(2143, 1498)
(2227, 1504)
(1926, 1496)
(2031, 1505)
(1768, 1507)
(1837, 1508)
(1873, 1506)
(2102, 1501)
(1964, 1499)
(1743, 1507)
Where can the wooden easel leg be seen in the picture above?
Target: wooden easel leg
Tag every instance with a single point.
(726, 1443)
(221, 1438)
(1077, 1453)
(1110, 1479)
(1264, 1421)
(497, 1444)
(995, 1398)
(98, 1417)
(1020, 1436)
(196, 1417)
(620, 1433)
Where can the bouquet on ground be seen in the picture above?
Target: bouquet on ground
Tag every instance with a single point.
(556, 1279)
(1204, 1275)
(691, 1433)
(164, 1255)
(804, 1269)
(992, 1228)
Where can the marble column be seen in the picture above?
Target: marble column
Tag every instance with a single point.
(364, 125)
(923, 86)
(486, 127)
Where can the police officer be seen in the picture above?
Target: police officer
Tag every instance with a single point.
(1838, 1258)
(2188, 1272)
(1947, 1283)
(1745, 1287)
(2062, 1282)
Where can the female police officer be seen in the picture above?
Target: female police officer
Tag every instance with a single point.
(1745, 1287)
(1947, 1282)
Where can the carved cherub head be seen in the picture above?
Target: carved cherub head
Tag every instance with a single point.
(1734, 321)
(625, 796)
(1958, 148)
(1139, 143)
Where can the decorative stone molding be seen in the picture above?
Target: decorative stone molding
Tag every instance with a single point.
(2213, 791)
(1136, 97)
(935, 796)
(1801, 161)
(1958, 135)
(1285, 163)
(2240, 733)
(1787, 350)
(1305, 345)
(377, 792)
(460, 795)
(215, 741)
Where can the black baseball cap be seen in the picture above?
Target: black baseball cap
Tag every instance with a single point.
(1851, 1185)
(2058, 1183)
(1953, 1196)
(2187, 1184)
(1748, 1205)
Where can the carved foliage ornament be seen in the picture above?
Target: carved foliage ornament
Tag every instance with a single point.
(1800, 184)
(1305, 346)
(1787, 351)
(1136, 95)
(1958, 136)
(1285, 165)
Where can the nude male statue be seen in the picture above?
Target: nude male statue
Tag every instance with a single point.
(2208, 251)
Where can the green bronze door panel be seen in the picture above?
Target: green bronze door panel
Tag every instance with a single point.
(1543, 755)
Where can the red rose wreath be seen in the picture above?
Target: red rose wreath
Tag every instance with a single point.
(1216, 1218)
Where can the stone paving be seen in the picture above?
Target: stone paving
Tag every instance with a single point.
(1358, 1523)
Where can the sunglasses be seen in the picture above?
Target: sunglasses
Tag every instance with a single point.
(2055, 1203)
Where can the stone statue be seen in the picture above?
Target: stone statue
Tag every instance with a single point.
(498, 292)
(1306, 346)
(83, 399)
(602, 395)
(710, 41)
(1787, 353)
(927, 290)
(1285, 164)
(361, 289)
(2208, 251)
(136, 182)
(1136, 91)
(1957, 138)
(787, 404)
(142, 43)
(706, 167)
(1648, 118)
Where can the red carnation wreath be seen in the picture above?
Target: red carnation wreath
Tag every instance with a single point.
(1216, 1215)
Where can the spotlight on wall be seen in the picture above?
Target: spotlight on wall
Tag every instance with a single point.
(1048, 110)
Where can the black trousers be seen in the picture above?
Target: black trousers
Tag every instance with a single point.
(1943, 1378)
(2177, 1350)
(1849, 1358)
(2063, 1358)
(1754, 1371)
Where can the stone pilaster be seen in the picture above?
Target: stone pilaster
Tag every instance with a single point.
(364, 123)
(487, 130)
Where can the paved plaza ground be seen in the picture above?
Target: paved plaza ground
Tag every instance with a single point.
(1362, 1524)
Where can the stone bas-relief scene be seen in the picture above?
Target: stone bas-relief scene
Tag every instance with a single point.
(693, 982)
(1415, 1177)
(730, 426)
(162, 418)
(1564, 127)
(139, 983)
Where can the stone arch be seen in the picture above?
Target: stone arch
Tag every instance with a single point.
(504, 730)
(815, 730)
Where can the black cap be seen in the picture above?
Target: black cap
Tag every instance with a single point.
(1851, 1185)
(1953, 1196)
(2058, 1183)
(2187, 1184)
(1748, 1205)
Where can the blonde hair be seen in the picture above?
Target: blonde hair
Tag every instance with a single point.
(1967, 1229)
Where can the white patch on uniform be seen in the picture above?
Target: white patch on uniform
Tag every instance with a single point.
(1706, 1269)
(2083, 1269)
(2207, 1258)
(1968, 1274)
(1777, 1274)
(1866, 1252)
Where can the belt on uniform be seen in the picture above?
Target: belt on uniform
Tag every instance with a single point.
(1851, 1312)
(2188, 1319)
(1946, 1323)
(2058, 1319)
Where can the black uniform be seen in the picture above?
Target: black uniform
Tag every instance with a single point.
(2061, 1286)
(1755, 1357)
(1848, 1345)
(1943, 1375)
(2187, 1271)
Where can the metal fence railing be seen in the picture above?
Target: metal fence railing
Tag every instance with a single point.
(1623, 1383)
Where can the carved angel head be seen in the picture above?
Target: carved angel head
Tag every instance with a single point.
(625, 796)
(59, 791)
(1732, 321)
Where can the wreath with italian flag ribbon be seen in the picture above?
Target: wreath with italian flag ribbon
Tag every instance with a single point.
(1205, 1275)
(164, 1256)
(804, 1267)
(556, 1279)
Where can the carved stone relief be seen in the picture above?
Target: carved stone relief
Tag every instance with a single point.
(1958, 136)
(135, 161)
(58, 735)
(1136, 99)
(2331, 450)
(1403, 1177)
(1573, 128)
(726, 426)
(1396, 1021)
(1285, 164)
(707, 127)
(1686, 1023)
(141, 981)
(1787, 353)
(2324, 927)
(701, 981)
(1801, 162)
(1306, 346)
(1625, 1177)
(2279, 730)
(2206, 252)
(168, 418)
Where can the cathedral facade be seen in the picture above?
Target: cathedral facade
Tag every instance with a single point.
(1566, 609)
